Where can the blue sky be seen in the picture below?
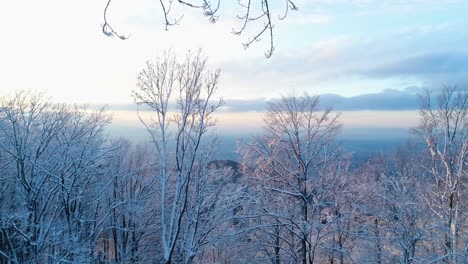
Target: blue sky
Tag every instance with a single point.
(361, 55)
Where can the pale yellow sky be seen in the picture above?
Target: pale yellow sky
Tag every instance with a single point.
(245, 123)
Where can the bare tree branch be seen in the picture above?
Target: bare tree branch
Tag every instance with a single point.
(255, 11)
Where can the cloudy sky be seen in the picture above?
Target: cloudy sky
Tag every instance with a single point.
(368, 58)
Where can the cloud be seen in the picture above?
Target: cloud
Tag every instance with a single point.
(308, 19)
(247, 105)
(388, 100)
(426, 65)
(424, 29)
(424, 55)
(322, 45)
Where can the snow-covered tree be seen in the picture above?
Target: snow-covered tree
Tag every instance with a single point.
(444, 132)
(179, 97)
(296, 164)
(51, 155)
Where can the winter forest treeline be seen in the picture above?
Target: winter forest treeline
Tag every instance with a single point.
(71, 194)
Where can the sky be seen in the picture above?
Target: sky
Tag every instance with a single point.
(368, 58)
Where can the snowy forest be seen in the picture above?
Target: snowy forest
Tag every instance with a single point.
(70, 193)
